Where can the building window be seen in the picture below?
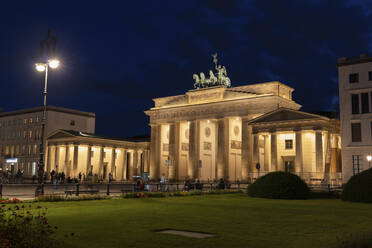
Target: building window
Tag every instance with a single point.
(370, 75)
(72, 123)
(354, 78)
(356, 132)
(30, 134)
(357, 164)
(365, 103)
(24, 121)
(354, 104)
(30, 120)
(288, 144)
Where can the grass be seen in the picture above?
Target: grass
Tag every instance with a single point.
(238, 221)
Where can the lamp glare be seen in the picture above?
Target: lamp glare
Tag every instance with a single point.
(40, 67)
(53, 63)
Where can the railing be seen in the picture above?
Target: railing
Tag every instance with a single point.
(29, 191)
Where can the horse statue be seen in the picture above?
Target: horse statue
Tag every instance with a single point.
(212, 78)
(197, 84)
(203, 81)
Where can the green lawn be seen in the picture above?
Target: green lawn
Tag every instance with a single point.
(238, 221)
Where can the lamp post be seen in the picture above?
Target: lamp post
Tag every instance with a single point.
(369, 158)
(41, 67)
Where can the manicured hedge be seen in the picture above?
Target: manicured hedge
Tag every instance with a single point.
(359, 188)
(279, 185)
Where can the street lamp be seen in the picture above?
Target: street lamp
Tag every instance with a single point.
(369, 158)
(41, 67)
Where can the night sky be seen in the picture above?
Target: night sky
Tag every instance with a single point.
(117, 57)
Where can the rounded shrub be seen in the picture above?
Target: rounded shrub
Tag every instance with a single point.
(359, 188)
(279, 185)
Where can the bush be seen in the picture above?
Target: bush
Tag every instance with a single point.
(279, 185)
(27, 227)
(359, 187)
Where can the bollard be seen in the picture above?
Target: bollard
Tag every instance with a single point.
(77, 189)
(108, 189)
(329, 188)
(211, 187)
(157, 187)
(177, 187)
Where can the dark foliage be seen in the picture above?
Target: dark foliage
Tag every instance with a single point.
(279, 185)
(359, 188)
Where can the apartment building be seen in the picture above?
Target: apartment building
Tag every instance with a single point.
(355, 91)
(20, 134)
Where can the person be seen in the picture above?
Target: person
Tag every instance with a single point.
(83, 177)
(79, 177)
(62, 177)
(198, 185)
(110, 177)
(162, 182)
(221, 184)
(188, 185)
(52, 176)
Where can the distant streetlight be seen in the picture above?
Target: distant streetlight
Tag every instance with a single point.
(369, 158)
(41, 67)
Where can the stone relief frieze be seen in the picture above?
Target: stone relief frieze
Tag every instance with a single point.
(185, 146)
(207, 146)
(235, 144)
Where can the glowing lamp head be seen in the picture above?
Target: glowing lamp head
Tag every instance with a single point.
(369, 158)
(40, 67)
(53, 63)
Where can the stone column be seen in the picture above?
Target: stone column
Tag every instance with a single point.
(89, 160)
(246, 149)
(256, 155)
(266, 166)
(101, 159)
(194, 147)
(298, 158)
(223, 147)
(155, 149)
(76, 160)
(124, 165)
(134, 165)
(319, 151)
(146, 162)
(113, 161)
(56, 158)
(67, 161)
(139, 163)
(48, 159)
(274, 153)
(174, 146)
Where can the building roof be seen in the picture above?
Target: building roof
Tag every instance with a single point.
(285, 114)
(58, 133)
(351, 61)
(49, 108)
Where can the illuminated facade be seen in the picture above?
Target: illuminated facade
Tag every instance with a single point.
(218, 132)
(75, 152)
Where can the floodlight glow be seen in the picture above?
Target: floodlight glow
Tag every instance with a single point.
(53, 63)
(40, 67)
(369, 158)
